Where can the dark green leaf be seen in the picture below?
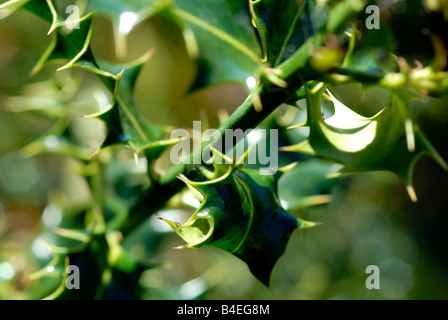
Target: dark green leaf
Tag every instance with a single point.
(220, 36)
(241, 214)
(285, 25)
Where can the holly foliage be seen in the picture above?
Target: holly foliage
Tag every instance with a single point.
(281, 52)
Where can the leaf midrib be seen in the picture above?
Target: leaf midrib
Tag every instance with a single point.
(246, 190)
(218, 33)
(288, 36)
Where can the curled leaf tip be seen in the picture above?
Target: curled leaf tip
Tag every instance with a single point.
(174, 225)
(120, 74)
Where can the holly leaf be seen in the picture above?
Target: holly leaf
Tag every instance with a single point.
(68, 46)
(223, 43)
(285, 25)
(314, 187)
(388, 141)
(48, 98)
(125, 124)
(57, 140)
(240, 213)
(71, 38)
(125, 16)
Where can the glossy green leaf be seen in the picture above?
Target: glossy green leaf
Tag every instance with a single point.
(219, 35)
(223, 43)
(240, 213)
(285, 25)
(388, 141)
(71, 47)
(68, 45)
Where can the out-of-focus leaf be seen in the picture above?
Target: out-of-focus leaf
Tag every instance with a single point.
(438, 5)
(374, 61)
(125, 16)
(48, 98)
(194, 289)
(106, 270)
(430, 79)
(307, 183)
(124, 122)
(67, 46)
(54, 269)
(58, 141)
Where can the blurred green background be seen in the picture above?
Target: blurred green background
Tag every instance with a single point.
(370, 221)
